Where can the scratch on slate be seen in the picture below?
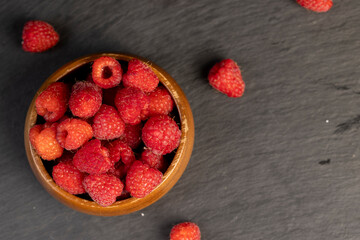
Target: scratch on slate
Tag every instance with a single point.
(349, 124)
(323, 162)
(341, 87)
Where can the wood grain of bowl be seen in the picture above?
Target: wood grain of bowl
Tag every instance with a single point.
(171, 176)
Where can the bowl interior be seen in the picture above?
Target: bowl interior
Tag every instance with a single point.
(79, 69)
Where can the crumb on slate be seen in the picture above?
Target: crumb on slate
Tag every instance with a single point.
(323, 162)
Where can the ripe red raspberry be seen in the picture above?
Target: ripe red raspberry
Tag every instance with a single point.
(68, 177)
(141, 179)
(52, 102)
(153, 160)
(141, 76)
(185, 231)
(161, 134)
(103, 188)
(120, 150)
(92, 158)
(161, 102)
(38, 36)
(225, 76)
(316, 5)
(130, 102)
(72, 133)
(107, 123)
(132, 135)
(85, 99)
(119, 170)
(44, 141)
(106, 72)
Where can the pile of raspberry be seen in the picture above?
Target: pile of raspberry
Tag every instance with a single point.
(110, 136)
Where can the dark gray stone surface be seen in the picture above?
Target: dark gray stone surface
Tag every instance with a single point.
(260, 167)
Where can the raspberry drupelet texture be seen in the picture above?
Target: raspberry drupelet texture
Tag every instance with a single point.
(185, 231)
(85, 99)
(52, 102)
(38, 36)
(316, 5)
(161, 134)
(72, 133)
(160, 103)
(106, 72)
(140, 75)
(130, 102)
(120, 150)
(103, 188)
(119, 170)
(68, 177)
(44, 141)
(141, 179)
(34, 133)
(92, 158)
(154, 161)
(107, 123)
(132, 135)
(225, 76)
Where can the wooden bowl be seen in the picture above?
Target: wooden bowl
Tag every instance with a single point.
(129, 205)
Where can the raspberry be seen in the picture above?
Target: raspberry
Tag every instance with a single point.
(106, 72)
(44, 142)
(161, 102)
(316, 5)
(153, 160)
(130, 102)
(103, 188)
(34, 133)
(141, 76)
(93, 158)
(120, 150)
(132, 135)
(119, 170)
(68, 177)
(141, 179)
(161, 134)
(185, 231)
(107, 123)
(72, 133)
(38, 36)
(225, 76)
(52, 102)
(85, 99)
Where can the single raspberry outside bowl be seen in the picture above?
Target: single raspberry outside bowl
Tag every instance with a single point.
(171, 176)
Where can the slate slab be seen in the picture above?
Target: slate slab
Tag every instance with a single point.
(283, 162)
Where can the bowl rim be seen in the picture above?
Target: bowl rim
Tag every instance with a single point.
(171, 176)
